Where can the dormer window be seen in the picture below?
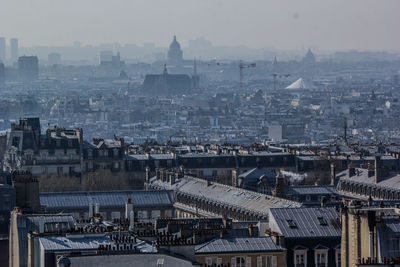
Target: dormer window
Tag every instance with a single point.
(322, 221)
(291, 223)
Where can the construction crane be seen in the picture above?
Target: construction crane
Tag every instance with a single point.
(275, 75)
(241, 67)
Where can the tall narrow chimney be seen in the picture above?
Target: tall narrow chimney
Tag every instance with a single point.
(131, 220)
(41, 224)
(378, 170)
(333, 173)
(91, 210)
(128, 208)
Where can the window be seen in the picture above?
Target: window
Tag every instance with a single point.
(214, 261)
(308, 198)
(239, 261)
(44, 156)
(44, 170)
(90, 154)
(59, 170)
(321, 258)
(267, 261)
(15, 141)
(116, 165)
(338, 257)
(291, 223)
(300, 258)
(322, 221)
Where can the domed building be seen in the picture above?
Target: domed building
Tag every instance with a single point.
(309, 58)
(175, 54)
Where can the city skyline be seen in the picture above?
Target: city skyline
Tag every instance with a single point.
(331, 25)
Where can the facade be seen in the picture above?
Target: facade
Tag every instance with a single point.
(2, 49)
(175, 54)
(58, 151)
(370, 235)
(21, 225)
(54, 59)
(14, 49)
(28, 68)
(310, 235)
(2, 74)
(238, 252)
(104, 154)
(376, 181)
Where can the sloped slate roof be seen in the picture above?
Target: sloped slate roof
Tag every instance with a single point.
(306, 221)
(111, 199)
(238, 245)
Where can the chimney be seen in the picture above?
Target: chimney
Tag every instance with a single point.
(371, 170)
(41, 224)
(131, 220)
(323, 201)
(158, 174)
(280, 187)
(128, 208)
(378, 170)
(91, 208)
(171, 177)
(352, 170)
(235, 177)
(208, 181)
(333, 173)
(147, 177)
(96, 208)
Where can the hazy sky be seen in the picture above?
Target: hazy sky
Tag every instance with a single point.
(326, 24)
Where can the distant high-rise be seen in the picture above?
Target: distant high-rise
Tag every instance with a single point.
(2, 49)
(54, 59)
(28, 68)
(175, 54)
(14, 49)
(2, 74)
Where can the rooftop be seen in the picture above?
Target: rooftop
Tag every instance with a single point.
(106, 199)
(238, 245)
(307, 222)
(227, 195)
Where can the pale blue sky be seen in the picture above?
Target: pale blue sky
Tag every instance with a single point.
(286, 24)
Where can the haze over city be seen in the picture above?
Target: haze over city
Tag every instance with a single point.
(326, 25)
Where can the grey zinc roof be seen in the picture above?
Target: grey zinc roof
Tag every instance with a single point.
(307, 224)
(52, 223)
(228, 195)
(59, 243)
(256, 173)
(392, 181)
(82, 242)
(238, 245)
(311, 190)
(106, 199)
